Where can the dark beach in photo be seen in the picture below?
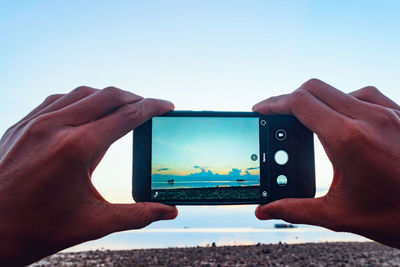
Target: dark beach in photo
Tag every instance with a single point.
(214, 193)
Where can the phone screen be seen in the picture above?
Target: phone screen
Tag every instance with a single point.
(201, 158)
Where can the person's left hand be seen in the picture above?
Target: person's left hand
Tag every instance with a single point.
(47, 200)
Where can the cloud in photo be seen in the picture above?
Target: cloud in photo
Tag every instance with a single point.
(203, 173)
(208, 173)
(235, 172)
(162, 169)
(252, 168)
(199, 167)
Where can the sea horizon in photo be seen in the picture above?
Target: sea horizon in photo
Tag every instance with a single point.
(160, 181)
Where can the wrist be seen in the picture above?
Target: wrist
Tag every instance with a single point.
(19, 248)
(11, 251)
(381, 227)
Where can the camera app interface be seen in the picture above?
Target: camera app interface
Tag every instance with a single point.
(196, 158)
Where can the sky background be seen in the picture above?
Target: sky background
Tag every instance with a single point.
(201, 55)
(182, 146)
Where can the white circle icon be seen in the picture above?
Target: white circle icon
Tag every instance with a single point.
(281, 157)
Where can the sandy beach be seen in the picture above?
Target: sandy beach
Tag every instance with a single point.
(308, 254)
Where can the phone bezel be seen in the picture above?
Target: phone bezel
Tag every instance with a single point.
(302, 187)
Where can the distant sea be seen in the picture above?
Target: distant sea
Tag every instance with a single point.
(192, 181)
(223, 225)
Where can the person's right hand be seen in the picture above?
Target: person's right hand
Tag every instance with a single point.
(360, 133)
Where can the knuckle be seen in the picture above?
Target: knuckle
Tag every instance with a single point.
(111, 89)
(10, 130)
(299, 94)
(83, 91)
(114, 92)
(272, 99)
(70, 142)
(17, 128)
(370, 91)
(143, 217)
(299, 97)
(311, 83)
(131, 112)
(120, 95)
(386, 116)
(154, 105)
(8, 133)
(40, 125)
(353, 133)
(74, 143)
(52, 98)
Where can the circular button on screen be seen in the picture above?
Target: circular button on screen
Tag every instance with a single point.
(280, 134)
(281, 157)
(281, 180)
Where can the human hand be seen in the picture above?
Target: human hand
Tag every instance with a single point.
(47, 199)
(360, 133)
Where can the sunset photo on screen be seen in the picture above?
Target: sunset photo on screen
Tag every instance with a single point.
(205, 158)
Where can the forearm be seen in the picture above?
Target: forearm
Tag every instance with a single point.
(384, 229)
(13, 254)
(23, 252)
(21, 244)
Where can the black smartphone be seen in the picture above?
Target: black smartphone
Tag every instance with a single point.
(212, 158)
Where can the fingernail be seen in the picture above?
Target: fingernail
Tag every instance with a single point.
(256, 107)
(171, 105)
(168, 105)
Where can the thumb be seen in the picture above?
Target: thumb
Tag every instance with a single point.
(294, 210)
(120, 217)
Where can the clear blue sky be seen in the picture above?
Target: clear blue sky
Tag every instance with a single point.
(218, 55)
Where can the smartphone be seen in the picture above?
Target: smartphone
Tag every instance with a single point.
(213, 158)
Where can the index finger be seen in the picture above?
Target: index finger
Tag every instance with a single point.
(105, 131)
(312, 112)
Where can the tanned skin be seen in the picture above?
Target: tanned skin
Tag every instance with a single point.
(47, 200)
(48, 203)
(360, 133)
